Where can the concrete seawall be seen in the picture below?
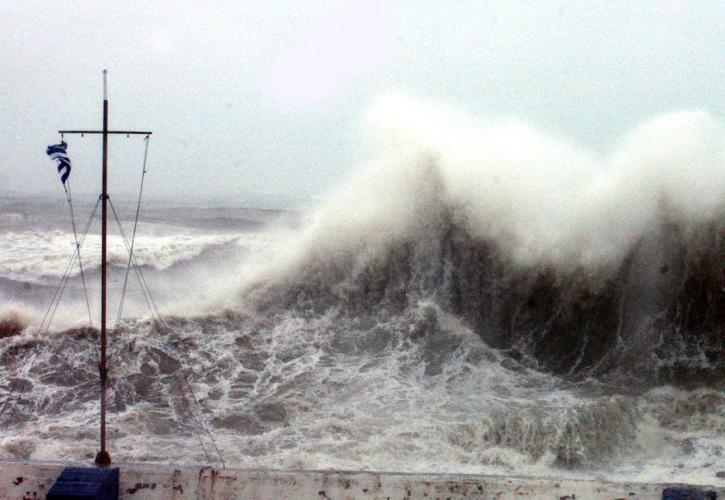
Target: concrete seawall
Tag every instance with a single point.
(32, 480)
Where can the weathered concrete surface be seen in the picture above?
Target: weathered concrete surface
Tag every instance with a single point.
(31, 480)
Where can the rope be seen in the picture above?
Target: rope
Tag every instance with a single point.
(66, 186)
(204, 425)
(66, 277)
(137, 269)
(198, 436)
(68, 268)
(133, 235)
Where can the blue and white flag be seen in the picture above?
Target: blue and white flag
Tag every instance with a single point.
(58, 152)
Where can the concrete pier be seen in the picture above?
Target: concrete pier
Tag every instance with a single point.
(32, 480)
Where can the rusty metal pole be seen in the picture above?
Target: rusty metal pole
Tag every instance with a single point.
(103, 458)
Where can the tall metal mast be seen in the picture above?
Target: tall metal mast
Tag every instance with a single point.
(103, 458)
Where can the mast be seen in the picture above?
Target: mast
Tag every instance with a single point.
(103, 458)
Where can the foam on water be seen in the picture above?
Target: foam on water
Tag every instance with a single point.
(420, 392)
(478, 298)
(33, 256)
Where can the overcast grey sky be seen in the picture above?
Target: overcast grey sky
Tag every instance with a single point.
(261, 97)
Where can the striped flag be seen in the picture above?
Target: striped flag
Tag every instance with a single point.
(58, 152)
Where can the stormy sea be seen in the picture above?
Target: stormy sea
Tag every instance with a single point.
(477, 297)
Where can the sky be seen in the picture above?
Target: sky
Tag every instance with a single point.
(251, 99)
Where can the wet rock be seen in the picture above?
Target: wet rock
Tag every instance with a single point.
(720, 474)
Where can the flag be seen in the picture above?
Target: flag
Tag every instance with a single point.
(58, 152)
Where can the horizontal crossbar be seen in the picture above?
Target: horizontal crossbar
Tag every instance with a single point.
(124, 132)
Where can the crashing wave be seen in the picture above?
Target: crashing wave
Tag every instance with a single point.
(580, 266)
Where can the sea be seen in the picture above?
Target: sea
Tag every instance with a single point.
(478, 298)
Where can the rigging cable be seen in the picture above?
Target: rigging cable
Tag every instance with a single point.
(133, 234)
(66, 187)
(66, 277)
(153, 309)
(69, 266)
(198, 436)
(204, 425)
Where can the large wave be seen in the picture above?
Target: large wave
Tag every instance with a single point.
(579, 264)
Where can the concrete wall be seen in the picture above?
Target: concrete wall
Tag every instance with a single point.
(31, 480)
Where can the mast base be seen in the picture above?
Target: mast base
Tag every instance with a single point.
(103, 459)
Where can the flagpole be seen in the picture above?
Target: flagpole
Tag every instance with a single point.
(103, 458)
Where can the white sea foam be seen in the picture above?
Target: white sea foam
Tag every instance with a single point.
(32, 255)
